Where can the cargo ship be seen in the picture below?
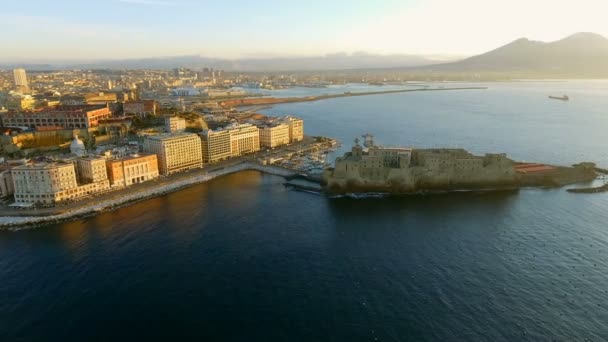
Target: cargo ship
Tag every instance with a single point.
(563, 98)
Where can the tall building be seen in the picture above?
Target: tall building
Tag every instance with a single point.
(215, 145)
(244, 138)
(20, 78)
(175, 124)
(296, 128)
(274, 135)
(175, 152)
(132, 170)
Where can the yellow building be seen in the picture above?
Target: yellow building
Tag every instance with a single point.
(21, 102)
(100, 98)
(132, 170)
(244, 138)
(273, 136)
(175, 152)
(215, 145)
(296, 128)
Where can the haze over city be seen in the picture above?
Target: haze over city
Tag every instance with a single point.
(44, 31)
(273, 170)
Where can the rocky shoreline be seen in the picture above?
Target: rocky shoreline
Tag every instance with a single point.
(22, 222)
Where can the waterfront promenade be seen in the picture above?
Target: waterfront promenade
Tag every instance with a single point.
(18, 218)
(13, 218)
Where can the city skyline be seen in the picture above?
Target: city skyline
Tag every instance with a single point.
(70, 30)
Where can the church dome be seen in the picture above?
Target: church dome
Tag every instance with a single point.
(77, 146)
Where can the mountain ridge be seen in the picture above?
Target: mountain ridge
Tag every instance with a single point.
(578, 55)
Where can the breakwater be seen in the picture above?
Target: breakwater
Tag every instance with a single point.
(61, 215)
(277, 100)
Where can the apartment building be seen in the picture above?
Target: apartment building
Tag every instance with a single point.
(50, 183)
(175, 152)
(215, 145)
(244, 138)
(132, 170)
(274, 135)
(296, 128)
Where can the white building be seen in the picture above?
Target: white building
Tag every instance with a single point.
(50, 183)
(175, 124)
(175, 152)
(77, 147)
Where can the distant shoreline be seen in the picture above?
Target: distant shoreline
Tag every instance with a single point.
(279, 100)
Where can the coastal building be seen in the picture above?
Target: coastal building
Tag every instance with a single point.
(132, 170)
(141, 109)
(44, 183)
(215, 145)
(244, 138)
(62, 116)
(296, 128)
(274, 135)
(175, 152)
(175, 124)
(48, 183)
(92, 170)
(6, 183)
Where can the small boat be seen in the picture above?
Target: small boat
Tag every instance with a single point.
(563, 98)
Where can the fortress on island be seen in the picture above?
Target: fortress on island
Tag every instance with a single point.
(371, 168)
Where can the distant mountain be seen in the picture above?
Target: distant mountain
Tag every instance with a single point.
(339, 61)
(579, 55)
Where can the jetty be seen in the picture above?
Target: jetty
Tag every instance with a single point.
(278, 100)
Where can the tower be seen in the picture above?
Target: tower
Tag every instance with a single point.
(368, 140)
(20, 79)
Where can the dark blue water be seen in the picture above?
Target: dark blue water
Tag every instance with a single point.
(243, 258)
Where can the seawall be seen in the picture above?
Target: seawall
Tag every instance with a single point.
(278, 100)
(20, 222)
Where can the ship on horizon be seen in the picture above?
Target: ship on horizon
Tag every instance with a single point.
(562, 98)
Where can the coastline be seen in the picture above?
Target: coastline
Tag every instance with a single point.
(264, 101)
(87, 210)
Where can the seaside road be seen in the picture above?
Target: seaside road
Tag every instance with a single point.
(146, 186)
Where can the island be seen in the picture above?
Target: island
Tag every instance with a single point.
(371, 168)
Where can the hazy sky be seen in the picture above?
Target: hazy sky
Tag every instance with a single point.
(95, 29)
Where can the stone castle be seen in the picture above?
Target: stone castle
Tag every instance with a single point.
(402, 170)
